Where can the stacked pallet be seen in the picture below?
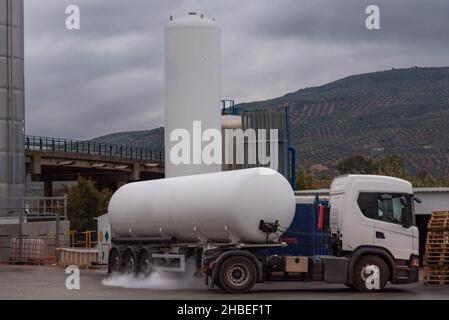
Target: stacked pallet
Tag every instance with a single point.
(436, 259)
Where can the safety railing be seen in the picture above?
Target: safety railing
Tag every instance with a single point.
(34, 208)
(92, 148)
(85, 239)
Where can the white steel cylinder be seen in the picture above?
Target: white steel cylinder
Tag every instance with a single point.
(192, 85)
(12, 107)
(217, 207)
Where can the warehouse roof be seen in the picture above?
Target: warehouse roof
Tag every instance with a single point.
(425, 190)
(416, 190)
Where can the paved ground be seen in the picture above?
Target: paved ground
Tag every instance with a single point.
(37, 282)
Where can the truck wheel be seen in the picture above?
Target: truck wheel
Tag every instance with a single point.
(145, 263)
(371, 274)
(218, 284)
(237, 275)
(129, 262)
(115, 262)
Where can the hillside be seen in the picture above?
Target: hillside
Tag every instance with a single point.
(403, 112)
(150, 139)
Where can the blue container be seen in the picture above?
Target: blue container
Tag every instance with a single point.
(304, 236)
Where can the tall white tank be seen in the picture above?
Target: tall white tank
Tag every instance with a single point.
(192, 85)
(217, 207)
(12, 113)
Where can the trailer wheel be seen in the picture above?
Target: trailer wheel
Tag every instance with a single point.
(115, 261)
(145, 263)
(237, 275)
(129, 262)
(371, 274)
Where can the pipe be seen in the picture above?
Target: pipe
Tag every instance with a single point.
(152, 240)
(292, 150)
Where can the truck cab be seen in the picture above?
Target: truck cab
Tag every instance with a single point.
(373, 216)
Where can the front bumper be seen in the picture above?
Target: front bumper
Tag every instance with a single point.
(406, 271)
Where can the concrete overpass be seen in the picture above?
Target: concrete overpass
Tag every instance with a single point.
(109, 165)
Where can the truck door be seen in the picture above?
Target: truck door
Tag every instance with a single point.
(394, 228)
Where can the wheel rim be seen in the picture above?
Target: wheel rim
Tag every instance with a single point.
(364, 273)
(238, 275)
(145, 265)
(115, 263)
(130, 265)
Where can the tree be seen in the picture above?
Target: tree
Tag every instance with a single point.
(86, 202)
(426, 180)
(391, 165)
(356, 165)
(305, 180)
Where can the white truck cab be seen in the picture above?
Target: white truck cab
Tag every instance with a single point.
(374, 215)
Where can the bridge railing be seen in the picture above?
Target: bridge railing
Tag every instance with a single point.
(91, 147)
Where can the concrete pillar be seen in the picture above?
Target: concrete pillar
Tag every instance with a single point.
(48, 188)
(135, 175)
(36, 167)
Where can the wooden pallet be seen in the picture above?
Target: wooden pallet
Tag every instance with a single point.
(434, 251)
(437, 242)
(436, 282)
(436, 271)
(440, 214)
(436, 261)
(436, 279)
(439, 221)
(436, 258)
(434, 276)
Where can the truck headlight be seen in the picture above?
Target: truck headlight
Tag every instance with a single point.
(414, 263)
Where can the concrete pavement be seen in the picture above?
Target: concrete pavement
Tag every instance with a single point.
(49, 282)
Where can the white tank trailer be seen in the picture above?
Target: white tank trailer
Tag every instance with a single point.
(192, 84)
(224, 207)
(12, 113)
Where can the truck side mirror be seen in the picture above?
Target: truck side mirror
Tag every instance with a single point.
(418, 200)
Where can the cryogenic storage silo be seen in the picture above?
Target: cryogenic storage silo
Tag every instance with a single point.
(216, 207)
(192, 87)
(12, 159)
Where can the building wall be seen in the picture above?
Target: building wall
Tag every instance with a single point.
(432, 201)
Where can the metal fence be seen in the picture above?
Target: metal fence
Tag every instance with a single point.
(92, 148)
(32, 234)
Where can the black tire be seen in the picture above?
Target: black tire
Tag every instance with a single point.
(350, 286)
(145, 263)
(129, 262)
(115, 262)
(361, 274)
(218, 284)
(237, 275)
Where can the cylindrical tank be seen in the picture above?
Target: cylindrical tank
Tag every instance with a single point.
(192, 87)
(230, 122)
(216, 207)
(12, 114)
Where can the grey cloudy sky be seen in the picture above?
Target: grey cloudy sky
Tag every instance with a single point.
(108, 76)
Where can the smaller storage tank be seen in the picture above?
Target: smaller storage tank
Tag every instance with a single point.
(218, 207)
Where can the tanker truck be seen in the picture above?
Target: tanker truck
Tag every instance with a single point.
(231, 225)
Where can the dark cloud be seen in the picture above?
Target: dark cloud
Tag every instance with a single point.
(108, 76)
